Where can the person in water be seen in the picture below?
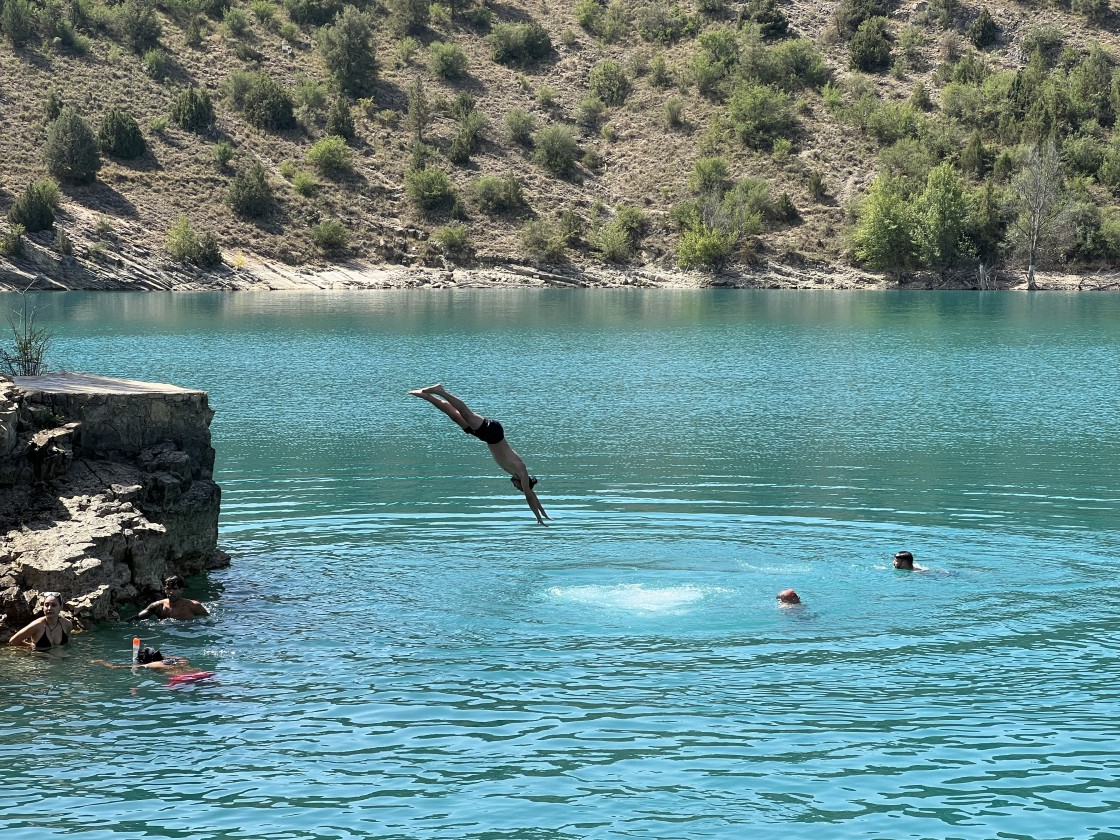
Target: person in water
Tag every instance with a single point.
(153, 659)
(49, 630)
(788, 598)
(493, 435)
(904, 560)
(174, 605)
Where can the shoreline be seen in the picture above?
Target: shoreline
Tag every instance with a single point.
(42, 270)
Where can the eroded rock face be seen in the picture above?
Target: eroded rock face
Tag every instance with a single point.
(106, 488)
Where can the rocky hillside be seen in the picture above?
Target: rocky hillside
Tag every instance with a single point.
(645, 89)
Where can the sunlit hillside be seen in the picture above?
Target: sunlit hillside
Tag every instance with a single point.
(629, 132)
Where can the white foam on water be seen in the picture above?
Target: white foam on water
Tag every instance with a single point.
(633, 597)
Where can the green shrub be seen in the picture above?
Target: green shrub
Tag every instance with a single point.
(348, 51)
(250, 194)
(222, 154)
(798, 64)
(519, 43)
(406, 48)
(313, 12)
(330, 236)
(498, 195)
(850, 14)
(137, 26)
(590, 111)
(34, 208)
(659, 74)
(448, 61)
(17, 19)
(708, 175)
(814, 182)
(520, 126)
(11, 241)
(408, 15)
(870, 47)
(982, 32)
(663, 23)
(331, 156)
(453, 239)
(185, 246)
(429, 188)
(589, 15)
(52, 105)
(266, 103)
(618, 240)
(613, 244)
(706, 246)
(304, 183)
(235, 21)
(760, 114)
(1094, 11)
(556, 150)
(609, 82)
(339, 121)
(468, 135)
(264, 11)
(192, 110)
(157, 63)
(541, 241)
(771, 20)
(119, 135)
(674, 108)
(70, 151)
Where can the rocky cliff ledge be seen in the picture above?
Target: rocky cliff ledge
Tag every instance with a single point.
(106, 487)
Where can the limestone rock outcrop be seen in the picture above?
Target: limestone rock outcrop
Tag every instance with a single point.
(106, 488)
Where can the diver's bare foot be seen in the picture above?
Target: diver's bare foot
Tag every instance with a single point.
(417, 392)
(433, 389)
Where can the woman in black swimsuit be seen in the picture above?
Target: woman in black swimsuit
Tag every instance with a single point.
(493, 435)
(48, 631)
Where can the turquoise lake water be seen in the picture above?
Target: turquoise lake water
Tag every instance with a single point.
(402, 652)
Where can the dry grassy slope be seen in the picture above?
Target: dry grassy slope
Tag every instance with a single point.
(645, 164)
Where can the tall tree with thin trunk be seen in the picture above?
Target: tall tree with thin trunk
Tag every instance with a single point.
(1039, 203)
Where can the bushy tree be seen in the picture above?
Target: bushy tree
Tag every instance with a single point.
(119, 135)
(192, 110)
(35, 207)
(250, 194)
(982, 32)
(883, 237)
(348, 51)
(940, 216)
(70, 151)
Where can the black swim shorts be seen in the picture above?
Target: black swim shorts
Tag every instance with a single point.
(490, 432)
